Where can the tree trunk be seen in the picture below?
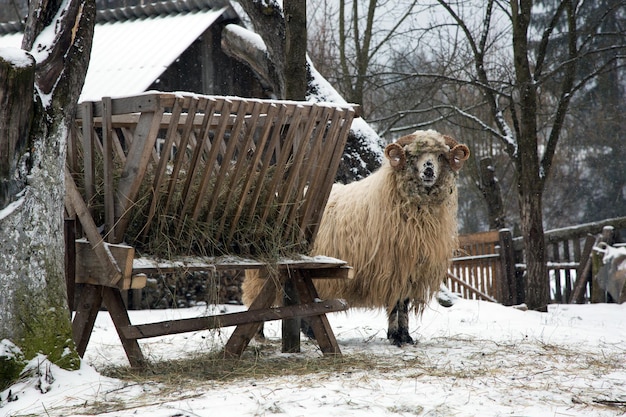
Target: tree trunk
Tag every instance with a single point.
(490, 189)
(363, 152)
(34, 313)
(530, 181)
(295, 49)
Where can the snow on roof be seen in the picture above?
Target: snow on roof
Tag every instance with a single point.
(128, 56)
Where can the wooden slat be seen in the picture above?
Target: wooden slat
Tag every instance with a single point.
(266, 162)
(199, 105)
(194, 164)
(86, 312)
(281, 166)
(301, 148)
(114, 303)
(309, 170)
(88, 152)
(243, 334)
(242, 162)
(162, 163)
(107, 157)
(197, 263)
(124, 105)
(171, 327)
(252, 177)
(226, 160)
(135, 168)
(583, 271)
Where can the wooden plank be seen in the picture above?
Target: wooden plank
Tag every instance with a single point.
(309, 170)
(319, 323)
(89, 269)
(253, 178)
(241, 163)
(225, 166)
(85, 317)
(112, 299)
(195, 106)
(107, 157)
(339, 131)
(301, 147)
(243, 333)
(266, 162)
(325, 264)
(135, 168)
(583, 271)
(194, 163)
(281, 165)
(162, 164)
(86, 110)
(113, 272)
(170, 327)
(123, 105)
(470, 288)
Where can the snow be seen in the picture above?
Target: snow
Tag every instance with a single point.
(19, 58)
(474, 358)
(11, 207)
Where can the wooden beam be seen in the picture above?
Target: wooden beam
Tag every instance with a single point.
(112, 270)
(143, 331)
(89, 269)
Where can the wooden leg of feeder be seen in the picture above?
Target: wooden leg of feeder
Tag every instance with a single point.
(115, 305)
(85, 317)
(243, 334)
(290, 327)
(319, 324)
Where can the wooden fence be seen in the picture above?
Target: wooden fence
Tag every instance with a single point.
(491, 265)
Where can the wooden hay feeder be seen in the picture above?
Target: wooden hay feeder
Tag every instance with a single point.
(166, 182)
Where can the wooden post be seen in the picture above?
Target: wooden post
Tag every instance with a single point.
(508, 287)
(70, 261)
(290, 327)
(582, 273)
(598, 295)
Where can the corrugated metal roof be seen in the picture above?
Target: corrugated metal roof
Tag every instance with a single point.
(128, 56)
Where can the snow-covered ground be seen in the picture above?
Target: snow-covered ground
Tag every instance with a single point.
(472, 359)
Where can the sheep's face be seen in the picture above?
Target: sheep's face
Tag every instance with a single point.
(427, 167)
(426, 164)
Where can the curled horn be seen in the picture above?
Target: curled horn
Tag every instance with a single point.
(458, 153)
(395, 151)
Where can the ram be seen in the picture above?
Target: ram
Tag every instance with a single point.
(397, 228)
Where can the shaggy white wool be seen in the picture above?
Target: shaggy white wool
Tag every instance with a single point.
(397, 234)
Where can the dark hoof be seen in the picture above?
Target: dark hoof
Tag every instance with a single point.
(400, 338)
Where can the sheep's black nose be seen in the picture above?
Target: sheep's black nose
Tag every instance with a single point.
(429, 172)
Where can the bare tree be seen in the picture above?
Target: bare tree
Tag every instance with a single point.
(525, 116)
(267, 57)
(39, 89)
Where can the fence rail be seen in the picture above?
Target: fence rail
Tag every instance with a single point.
(491, 265)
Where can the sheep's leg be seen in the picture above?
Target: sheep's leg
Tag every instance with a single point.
(398, 330)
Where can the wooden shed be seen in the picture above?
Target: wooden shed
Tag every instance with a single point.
(171, 45)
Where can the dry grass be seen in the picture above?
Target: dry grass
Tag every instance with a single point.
(231, 220)
(258, 362)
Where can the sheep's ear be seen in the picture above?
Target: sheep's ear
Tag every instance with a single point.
(457, 155)
(395, 154)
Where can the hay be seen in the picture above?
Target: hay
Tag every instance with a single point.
(215, 226)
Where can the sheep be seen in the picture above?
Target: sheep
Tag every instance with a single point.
(397, 228)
